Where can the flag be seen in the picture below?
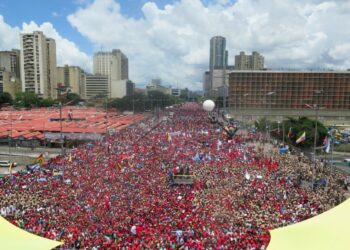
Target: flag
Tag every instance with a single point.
(10, 167)
(39, 159)
(247, 175)
(290, 132)
(301, 138)
(168, 137)
(327, 144)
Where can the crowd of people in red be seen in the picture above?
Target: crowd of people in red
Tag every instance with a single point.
(115, 193)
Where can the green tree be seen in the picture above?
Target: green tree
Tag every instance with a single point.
(298, 127)
(26, 99)
(72, 98)
(140, 102)
(47, 102)
(5, 98)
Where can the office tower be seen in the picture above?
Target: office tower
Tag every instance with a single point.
(218, 53)
(38, 64)
(218, 61)
(73, 78)
(96, 86)
(249, 62)
(113, 64)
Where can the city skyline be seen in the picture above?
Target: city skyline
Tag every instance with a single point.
(170, 39)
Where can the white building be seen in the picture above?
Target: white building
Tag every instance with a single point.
(38, 64)
(122, 88)
(113, 64)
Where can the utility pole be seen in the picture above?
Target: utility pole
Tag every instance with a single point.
(283, 131)
(107, 117)
(59, 89)
(315, 135)
(332, 145)
(133, 102)
(10, 133)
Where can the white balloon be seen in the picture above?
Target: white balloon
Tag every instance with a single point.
(208, 105)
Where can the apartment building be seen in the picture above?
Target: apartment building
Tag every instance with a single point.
(38, 64)
(255, 61)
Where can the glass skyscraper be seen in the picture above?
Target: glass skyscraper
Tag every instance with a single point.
(218, 53)
(217, 65)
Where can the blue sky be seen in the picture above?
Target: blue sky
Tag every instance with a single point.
(56, 12)
(170, 39)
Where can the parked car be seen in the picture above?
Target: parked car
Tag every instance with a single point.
(7, 164)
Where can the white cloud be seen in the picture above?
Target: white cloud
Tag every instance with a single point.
(9, 36)
(173, 42)
(67, 52)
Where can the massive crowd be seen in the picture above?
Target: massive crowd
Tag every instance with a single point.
(115, 193)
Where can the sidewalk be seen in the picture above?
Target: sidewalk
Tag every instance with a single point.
(23, 151)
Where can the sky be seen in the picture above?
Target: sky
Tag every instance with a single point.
(169, 39)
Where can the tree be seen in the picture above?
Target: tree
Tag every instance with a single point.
(140, 102)
(5, 98)
(72, 98)
(26, 99)
(298, 127)
(47, 102)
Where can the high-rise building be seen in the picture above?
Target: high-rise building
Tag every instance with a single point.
(249, 62)
(206, 83)
(218, 53)
(113, 64)
(218, 61)
(9, 61)
(73, 78)
(38, 64)
(96, 86)
(51, 67)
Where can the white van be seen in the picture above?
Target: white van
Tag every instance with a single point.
(7, 164)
